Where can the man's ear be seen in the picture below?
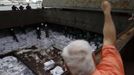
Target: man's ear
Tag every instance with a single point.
(94, 58)
(67, 69)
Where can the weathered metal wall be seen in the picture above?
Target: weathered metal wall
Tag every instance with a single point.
(127, 4)
(91, 20)
(19, 18)
(85, 19)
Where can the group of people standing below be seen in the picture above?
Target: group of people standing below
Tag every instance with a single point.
(21, 7)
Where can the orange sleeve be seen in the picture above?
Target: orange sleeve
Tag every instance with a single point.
(111, 63)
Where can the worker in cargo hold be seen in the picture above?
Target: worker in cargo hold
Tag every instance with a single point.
(21, 7)
(79, 58)
(14, 8)
(28, 7)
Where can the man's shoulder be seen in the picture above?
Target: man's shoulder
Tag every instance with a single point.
(110, 50)
(109, 47)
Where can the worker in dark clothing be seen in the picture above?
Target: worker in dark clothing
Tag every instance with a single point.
(21, 7)
(28, 7)
(43, 8)
(14, 8)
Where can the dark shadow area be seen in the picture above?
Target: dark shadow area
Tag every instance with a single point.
(128, 57)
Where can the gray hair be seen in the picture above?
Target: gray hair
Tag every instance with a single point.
(78, 57)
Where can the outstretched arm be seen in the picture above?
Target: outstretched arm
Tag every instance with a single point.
(111, 62)
(109, 30)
